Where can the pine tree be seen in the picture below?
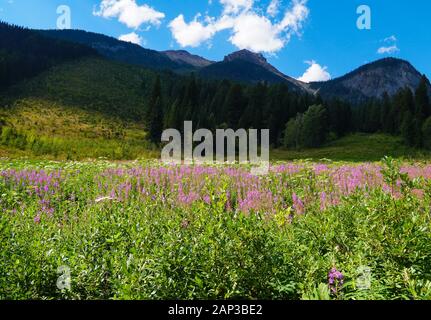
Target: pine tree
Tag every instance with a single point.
(426, 133)
(172, 118)
(408, 129)
(277, 113)
(191, 99)
(422, 100)
(234, 105)
(218, 101)
(386, 114)
(155, 113)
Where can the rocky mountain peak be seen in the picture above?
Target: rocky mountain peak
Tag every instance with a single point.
(372, 80)
(256, 58)
(183, 56)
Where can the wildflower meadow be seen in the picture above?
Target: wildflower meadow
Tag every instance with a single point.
(143, 230)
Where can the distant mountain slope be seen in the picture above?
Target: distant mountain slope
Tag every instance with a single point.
(249, 67)
(117, 50)
(25, 53)
(371, 81)
(182, 56)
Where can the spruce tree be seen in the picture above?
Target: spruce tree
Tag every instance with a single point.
(422, 100)
(386, 114)
(408, 129)
(155, 113)
(426, 133)
(234, 105)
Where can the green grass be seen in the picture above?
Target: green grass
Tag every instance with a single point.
(356, 148)
(353, 148)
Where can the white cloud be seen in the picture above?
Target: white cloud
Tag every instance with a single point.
(273, 8)
(256, 33)
(315, 72)
(132, 37)
(250, 30)
(388, 50)
(190, 34)
(129, 13)
(294, 18)
(236, 6)
(391, 46)
(391, 39)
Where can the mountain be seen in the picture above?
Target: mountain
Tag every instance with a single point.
(118, 50)
(184, 57)
(246, 66)
(371, 81)
(27, 52)
(24, 53)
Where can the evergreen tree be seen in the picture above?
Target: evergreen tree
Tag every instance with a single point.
(234, 105)
(277, 113)
(218, 101)
(426, 133)
(408, 129)
(339, 117)
(315, 127)
(173, 118)
(307, 130)
(155, 113)
(386, 115)
(422, 100)
(253, 115)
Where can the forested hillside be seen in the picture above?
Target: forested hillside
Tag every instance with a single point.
(87, 108)
(117, 50)
(25, 53)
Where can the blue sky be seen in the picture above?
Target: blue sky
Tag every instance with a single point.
(295, 35)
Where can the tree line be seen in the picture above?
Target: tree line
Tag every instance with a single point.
(295, 120)
(405, 114)
(224, 104)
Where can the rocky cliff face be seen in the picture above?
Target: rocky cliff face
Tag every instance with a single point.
(260, 60)
(183, 56)
(371, 81)
(255, 58)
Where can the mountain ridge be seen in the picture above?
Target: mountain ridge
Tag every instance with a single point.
(372, 80)
(366, 82)
(117, 50)
(183, 56)
(247, 66)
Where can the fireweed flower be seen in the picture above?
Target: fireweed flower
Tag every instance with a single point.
(320, 168)
(335, 280)
(298, 205)
(207, 199)
(37, 219)
(323, 198)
